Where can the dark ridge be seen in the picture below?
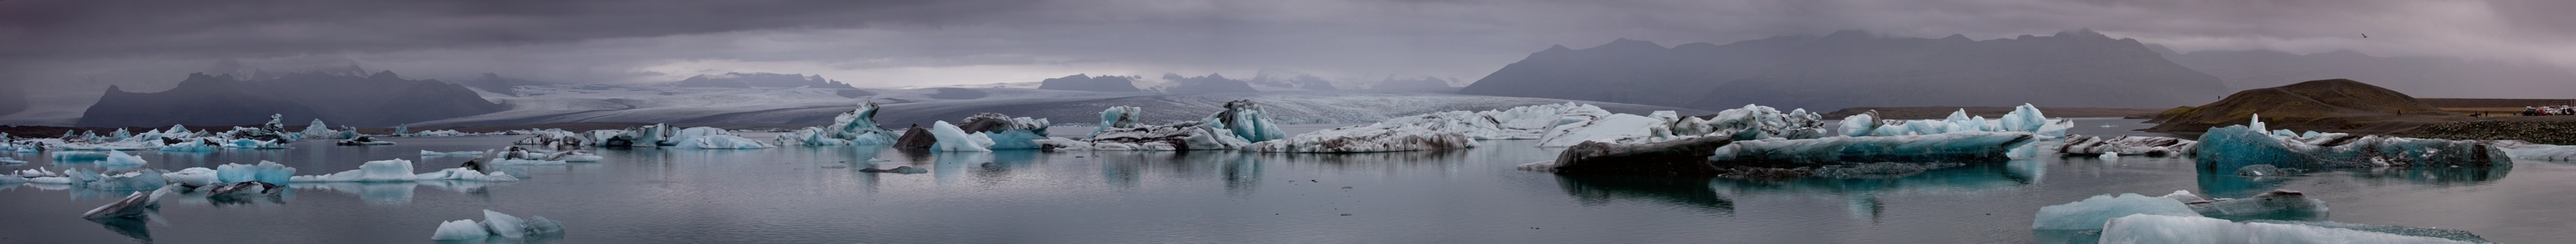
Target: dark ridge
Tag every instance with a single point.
(2337, 105)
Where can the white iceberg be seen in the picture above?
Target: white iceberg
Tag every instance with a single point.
(379, 170)
(1607, 128)
(193, 176)
(952, 139)
(463, 229)
(2531, 151)
(120, 159)
(2148, 228)
(2090, 213)
(265, 171)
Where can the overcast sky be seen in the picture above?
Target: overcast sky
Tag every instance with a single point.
(910, 43)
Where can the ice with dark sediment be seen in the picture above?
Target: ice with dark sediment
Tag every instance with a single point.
(857, 127)
(1960, 147)
(2237, 146)
(134, 205)
(1379, 137)
(2127, 145)
(712, 138)
(1216, 132)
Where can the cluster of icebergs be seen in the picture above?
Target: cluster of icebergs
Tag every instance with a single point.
(658, 135)
(271, 135)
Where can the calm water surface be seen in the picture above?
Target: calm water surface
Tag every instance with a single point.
(817, 195)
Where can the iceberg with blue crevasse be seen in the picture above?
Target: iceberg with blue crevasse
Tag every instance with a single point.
(857, 127)
(2237, 146)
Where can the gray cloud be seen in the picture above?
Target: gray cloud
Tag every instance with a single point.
(64, 44)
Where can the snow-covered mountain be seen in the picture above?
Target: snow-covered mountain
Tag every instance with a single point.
(1854, 68)
(807, 106)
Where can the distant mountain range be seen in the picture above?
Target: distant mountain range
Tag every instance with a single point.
(1082, 82)
(762, 80)
(2420, 76)
(1854, 68)
(1267, 80)
(381, 99)
(1211, 83)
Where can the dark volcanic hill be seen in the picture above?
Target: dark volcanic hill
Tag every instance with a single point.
(1082, 82)
(2421, 76)
(762, 80)
(382, 99)
(2337, 105)
(1855, 69)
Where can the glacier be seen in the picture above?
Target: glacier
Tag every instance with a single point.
(2237, 146)
(2145, 228)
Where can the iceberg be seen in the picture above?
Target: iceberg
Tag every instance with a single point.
(194, 145)
(119, 180)
(1244, 118)
(2127, 145)
(1380, 137)
(2531, 151)
(119, 159)
(379, 170)
(1006, 132)
(713, 138)
(857, 127)
(553, 137)
(2277, 204)
(2090, 213)
(504, 224)
(2236, 146)
(456, 153)
(2024, 118)
(1677, 157)
(60, 156)
(464, 174)
(1206, 134)
(463, 229)
(2146, 228)
(318, 131)
(134, 205)
(364, 141)
(265, 171)
(1970, 146)
(952, 139)
(1117, 117)
(1862, 124)
(1609, 128)
(193, 176)
(237, 190)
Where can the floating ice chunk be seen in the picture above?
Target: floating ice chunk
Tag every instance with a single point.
(1686, 156)
(540, 226)
(463, 229)
(1379, 137)
(140, 179)
(2530, 151)
(193, 176)
(2024, 118)
(1117, 117)
(713, 138)
(60, 156)
(120, 159)
(1972, 146)
(456, 153)
(2146, 228)
(581, 157)
(2128, 145)
(2277, 204)
(2091, 212)
(1244, 118)
(1016, 139)
(508, 161)
(1861, 124)
(952, 139)
(857, 127)
(134, 205)
(379, 170)
(2185, 197)
(1606, 128)
(2233, 147)
(504, 224)
(464, 174)
(265, 171)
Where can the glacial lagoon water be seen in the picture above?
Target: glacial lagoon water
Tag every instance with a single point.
(817, 195)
